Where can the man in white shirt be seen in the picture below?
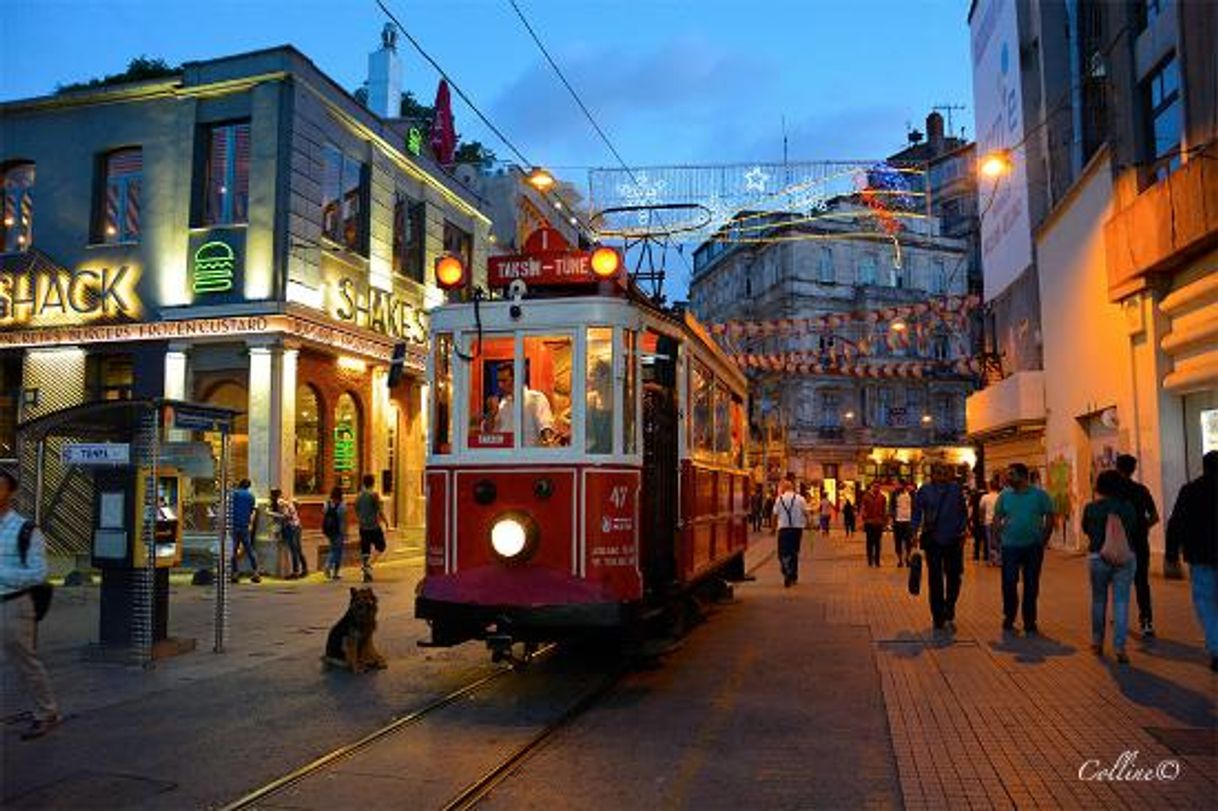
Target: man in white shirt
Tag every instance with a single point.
(987, 504)
(902, 523)
(792, 513)
(19, 574)
(538, 420)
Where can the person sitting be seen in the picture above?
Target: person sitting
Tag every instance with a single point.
(538, 419)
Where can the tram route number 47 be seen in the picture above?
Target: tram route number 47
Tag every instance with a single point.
(618, 496)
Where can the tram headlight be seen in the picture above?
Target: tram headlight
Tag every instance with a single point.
(513, 536)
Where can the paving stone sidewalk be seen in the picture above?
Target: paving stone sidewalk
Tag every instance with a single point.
(982, 719)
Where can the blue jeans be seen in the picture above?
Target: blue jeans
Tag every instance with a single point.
(1121, 578)
(1025, 560)
(291, 536)
(335, 561)
(242, 540)
(1205, 602)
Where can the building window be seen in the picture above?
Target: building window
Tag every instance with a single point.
(226, 192)
(408, 228)
(830, 409)
(343, 206)
(111, 377)
(897, 276)
(1161, 95)
(867, 268)
(1147, 12)
(460, 244)
(884, 406)
(825, 268)
(346, 442)
(118, 211)
(310, 464)
(18, 222)
(938, 277)
(1093, 86)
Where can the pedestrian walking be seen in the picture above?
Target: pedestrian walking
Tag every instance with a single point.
(848, 517)
(791, 512)
(1146, 515)
(874, 508)
(755, 506)
(1193, 529)
(826, 513)
(371, 517)
(902, 523)
(284, 512)
(242, 511)
(1024, 517)
(769, 509)
(976, 521)
(23, 573)
(1108, 523)
(988, 502)
(940, 517)
(334, 527)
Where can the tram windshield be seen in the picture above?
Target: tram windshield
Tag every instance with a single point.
(521, 399)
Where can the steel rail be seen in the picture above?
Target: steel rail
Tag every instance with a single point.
(291, 778)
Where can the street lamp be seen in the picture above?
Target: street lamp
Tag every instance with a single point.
(997, 163)
(540, 179)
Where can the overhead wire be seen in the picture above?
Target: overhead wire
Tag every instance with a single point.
(566, 207)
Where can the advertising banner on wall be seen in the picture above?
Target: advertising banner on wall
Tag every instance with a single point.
(1006, 235)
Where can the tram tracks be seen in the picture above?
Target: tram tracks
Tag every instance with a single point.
(588, 689)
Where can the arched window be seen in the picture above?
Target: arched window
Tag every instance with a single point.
(347, 442)
(310, 469)
(17, 223)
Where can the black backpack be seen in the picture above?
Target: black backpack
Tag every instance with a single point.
(42, 592)
(329, 523)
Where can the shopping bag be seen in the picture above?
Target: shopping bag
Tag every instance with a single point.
(915, 573)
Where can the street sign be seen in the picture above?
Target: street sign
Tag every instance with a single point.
(97, 453)
(197, 418)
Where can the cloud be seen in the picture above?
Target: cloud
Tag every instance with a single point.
(683, 83)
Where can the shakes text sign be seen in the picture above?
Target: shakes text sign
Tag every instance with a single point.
(51, 296)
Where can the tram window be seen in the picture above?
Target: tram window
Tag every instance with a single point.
(723, 421)
(629, 400)
(492, 409)
(442, 432)
(547, 391)
(737, 431)
(599, 391)
(701, 398)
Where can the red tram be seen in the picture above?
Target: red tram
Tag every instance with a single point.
(586, 455)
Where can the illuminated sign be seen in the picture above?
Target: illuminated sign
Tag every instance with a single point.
(414, 141)
(547, 260)
(214, 265)
(49, 296)
(379, 310)
(217, 265)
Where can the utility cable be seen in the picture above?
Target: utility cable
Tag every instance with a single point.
(477, 111)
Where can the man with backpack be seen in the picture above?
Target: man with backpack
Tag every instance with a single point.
(24, 597)
(334, 527)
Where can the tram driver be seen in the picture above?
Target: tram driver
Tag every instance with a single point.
(538, 419)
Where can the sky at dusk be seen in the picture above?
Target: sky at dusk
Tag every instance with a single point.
(672, 81)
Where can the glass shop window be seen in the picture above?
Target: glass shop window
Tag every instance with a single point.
(309, 474)
(599, 391)
(346, 443)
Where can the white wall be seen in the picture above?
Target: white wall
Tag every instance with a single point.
(1087, 359)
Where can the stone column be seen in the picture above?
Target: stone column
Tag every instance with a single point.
(272, 415)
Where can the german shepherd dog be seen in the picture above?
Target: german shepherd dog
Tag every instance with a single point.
(350, 642)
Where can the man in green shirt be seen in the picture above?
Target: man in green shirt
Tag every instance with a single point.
(371, 521)
(1023, 517)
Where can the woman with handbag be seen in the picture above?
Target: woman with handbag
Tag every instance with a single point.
(1108, 522)
(283, 510)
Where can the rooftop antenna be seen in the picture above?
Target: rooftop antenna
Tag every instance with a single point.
(948, 108)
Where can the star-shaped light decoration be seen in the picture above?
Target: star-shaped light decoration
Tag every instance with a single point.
(755, 179)
(646, 192)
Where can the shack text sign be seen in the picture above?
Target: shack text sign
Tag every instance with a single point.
(51, 296)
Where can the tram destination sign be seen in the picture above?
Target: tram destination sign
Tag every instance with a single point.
(566, 267)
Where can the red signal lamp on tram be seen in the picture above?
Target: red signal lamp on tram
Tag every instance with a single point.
(450, 272)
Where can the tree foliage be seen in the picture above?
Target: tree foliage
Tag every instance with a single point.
(139, 69)
(476, 154)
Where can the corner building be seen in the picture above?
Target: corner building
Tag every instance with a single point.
(242, 233)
